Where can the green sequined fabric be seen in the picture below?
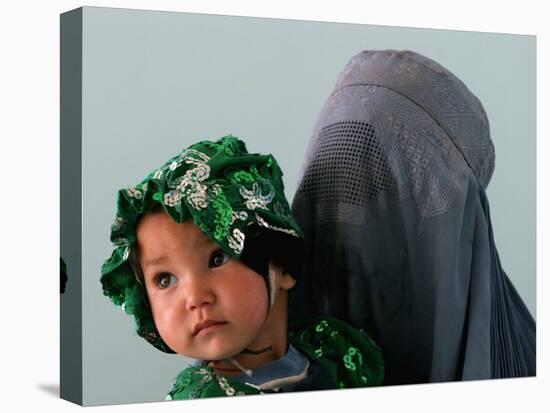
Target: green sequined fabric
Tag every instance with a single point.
(350, 356)
(221, 187)
(201, 382)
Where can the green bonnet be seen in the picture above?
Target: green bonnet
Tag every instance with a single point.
(235, 197)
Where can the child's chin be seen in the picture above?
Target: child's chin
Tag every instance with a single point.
(220, 354)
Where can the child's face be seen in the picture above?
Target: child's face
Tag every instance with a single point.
(190, 281)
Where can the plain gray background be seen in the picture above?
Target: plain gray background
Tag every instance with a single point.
(155, 82)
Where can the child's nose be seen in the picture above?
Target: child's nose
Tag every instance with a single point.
(198, 294)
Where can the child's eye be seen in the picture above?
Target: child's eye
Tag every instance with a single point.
(218, 258)
(165, 280)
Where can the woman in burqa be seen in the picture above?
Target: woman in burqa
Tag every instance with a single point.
(398, 232)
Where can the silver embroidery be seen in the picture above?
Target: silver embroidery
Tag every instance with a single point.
(254, 199)
(118, 223)
(217, 190)
(242, 215)
(230, 391)
(236, 240)
(264, 223)
(172, 198)
(133, 192)
(187, 156)
(197, 196)
(197, 174)
(121, 242)
(190, 185)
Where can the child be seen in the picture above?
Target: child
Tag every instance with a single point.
(206, 251)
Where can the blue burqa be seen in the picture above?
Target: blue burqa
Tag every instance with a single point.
(397, 226)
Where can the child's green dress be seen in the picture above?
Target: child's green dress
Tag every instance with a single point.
(339, 357)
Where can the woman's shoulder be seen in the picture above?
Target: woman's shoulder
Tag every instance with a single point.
(350, 355)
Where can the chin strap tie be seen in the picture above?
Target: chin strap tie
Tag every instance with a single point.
(271, 287)
(248, 372)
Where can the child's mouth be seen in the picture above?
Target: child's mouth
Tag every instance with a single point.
(206, 326)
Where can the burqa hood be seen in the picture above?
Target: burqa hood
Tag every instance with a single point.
(397, 227)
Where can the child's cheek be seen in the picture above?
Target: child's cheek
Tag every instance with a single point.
(247, 297)
(169, 318)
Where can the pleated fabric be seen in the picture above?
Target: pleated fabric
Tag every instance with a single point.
(397, 228)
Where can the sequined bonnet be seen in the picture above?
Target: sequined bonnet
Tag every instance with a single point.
(224, 189)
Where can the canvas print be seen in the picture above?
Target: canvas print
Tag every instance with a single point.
(261, 206)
